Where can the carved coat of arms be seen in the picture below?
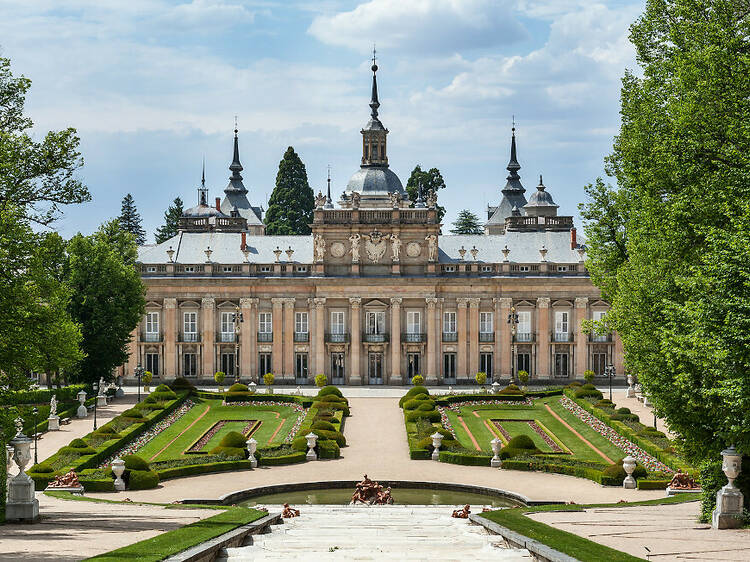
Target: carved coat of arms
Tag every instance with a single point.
(375, 246)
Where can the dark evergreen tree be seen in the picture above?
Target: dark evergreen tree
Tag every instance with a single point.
(290, 209)
(130, 220)
(429, 180)
(467, 223)
(171, 220)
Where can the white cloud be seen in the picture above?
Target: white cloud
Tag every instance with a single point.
(420, 25)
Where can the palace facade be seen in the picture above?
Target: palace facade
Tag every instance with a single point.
(376, 294)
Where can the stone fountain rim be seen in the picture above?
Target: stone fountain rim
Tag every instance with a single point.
(249, 493)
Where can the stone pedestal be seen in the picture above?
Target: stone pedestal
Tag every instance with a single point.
(101, 401)
(82, 411)
(53, 423)
(646, 401)
(728, 512)
(22, 505)
(119, 393)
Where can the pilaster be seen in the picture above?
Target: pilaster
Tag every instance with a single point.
(208, 337)
(473, 336)
(506, 342)
(288, 331)
(355, 376)
(543, 337)
(582, 304)
(461, 365)
(319, 335)
(395, 341)
(170, 337)
(277, 359)
(248, 338)
(433, 340)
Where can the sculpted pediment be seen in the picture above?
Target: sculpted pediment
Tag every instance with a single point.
(375, 303)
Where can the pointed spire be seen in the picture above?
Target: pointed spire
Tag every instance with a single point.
(235, 179)
(329, 202)
(203, 173)
(203, 190)
(374, 103)
(514, 180)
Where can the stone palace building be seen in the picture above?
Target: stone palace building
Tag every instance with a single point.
(376, 294)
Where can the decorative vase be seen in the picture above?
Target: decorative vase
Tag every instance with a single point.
(118, 469)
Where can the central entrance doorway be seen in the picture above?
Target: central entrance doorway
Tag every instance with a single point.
(337, 367)
(375, 367)
(413, 366)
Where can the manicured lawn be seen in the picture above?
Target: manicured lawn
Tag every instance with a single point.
(173, 542)
(475, 417)
(276, 422)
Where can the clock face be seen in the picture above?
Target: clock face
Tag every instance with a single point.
(413, 249)
(337, 249)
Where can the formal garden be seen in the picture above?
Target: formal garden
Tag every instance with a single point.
(571, 430)
(179, 431)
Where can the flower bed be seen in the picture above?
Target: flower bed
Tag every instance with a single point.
(540, 431)
(251, 426)
(650, 463)
(149, 434)
(296, 407)
(456, 408)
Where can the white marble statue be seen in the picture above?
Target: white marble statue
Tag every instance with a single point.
(354, 239)
(320, 247)
(431, 247)
(395, 246)
(53, 406)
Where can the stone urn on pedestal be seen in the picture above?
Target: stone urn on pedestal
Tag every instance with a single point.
(82, 411)
(496, 444)
(119, 393)
(631, 388)
(252, 446)
(729, 500)
(22, 505)
(437, 441)
(312, 439)
(628, 463)
(495, 387)
(118, 469)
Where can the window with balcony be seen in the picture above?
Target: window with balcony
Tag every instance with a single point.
(301, 327)
(598, 317)
(337, 333)
(449, 326)
(486, 327)
(227, 327)
(523, 329)
(375, 326)
(265, 327)
(413, 326)
(190, 326)
(561, 326)
(152, 326)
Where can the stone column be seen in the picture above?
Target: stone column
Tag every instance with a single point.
(433, 339)
(170, 337)
(288, 332)
(461, 327)
(319, 335)
(208, 336)
(506, 341)
(543, 331)
(355, 376)
(581, 343)
(395, 341)
(248, 337)
(277, 319)
(473, 336)
(499, 350)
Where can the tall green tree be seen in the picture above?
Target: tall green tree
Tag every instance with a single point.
(467, 223)
(130, 220)
(171, 222)
(431, 180)
(670, 244)
(290, 208)
(36, 178)
(107, 297)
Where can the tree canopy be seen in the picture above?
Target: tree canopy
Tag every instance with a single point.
(290, 208)
(431, 180)
(130, 220)
(669, 245)
(467, 223)
(171, 221)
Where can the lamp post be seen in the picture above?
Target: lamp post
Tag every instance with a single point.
(513, 321)
(610, 370)
(237, 319)
(139, 374)
(96, 390)
(35, 411)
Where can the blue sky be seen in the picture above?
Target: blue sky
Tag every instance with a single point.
(153, 87)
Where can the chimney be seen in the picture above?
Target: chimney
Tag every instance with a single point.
(218, 203)
(244, 241)
(573, 243)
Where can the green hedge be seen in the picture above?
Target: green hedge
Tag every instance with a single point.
(193, 469)
(579, 471)
(64, 394)
(419, 454)
(328, 449)
(646, 484)
(98, 485)
(291, 458)
(465, 458)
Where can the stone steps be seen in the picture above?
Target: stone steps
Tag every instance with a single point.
(375, 533)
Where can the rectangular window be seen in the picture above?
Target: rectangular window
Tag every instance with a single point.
(300, 322)
(449, 322)
(337, 368)
(486, 269)
(485, 323)
(449, 268)
(375, 322)
(265, 269)
(152, 363)
(561, 365)
(227, 326)
(523, 362)
(449, 366)
(189, 269)
(264, 364)
(227, 269)
(301, 269)
(189, 365)
(151, 269)
(523, 268)
(265, 322)
(599, 364)
(562, 268)
(485, 363)
(228, 364)
(337, 322)
(190, 325)
(598, 317)
(152, 322)
(300, 367)
(561, 325)
(523, 329)
(413, 322)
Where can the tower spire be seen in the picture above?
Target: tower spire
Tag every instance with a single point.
(235, 179)
(374, 103)
(329, 202)
(203, 190)
(514, 180)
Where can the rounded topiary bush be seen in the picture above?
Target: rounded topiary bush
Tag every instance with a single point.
(330, 389)
(426, 443)
(41, 468)
(229, 452)
(333, 398)
(299, 444)
(511, 389)
(426, 406)
(411, 404)
(414, 415)
(332, 435)
(623, 410)
(421, 396)
(411, 393)
(134, 462)
(238, 387)
(162, 388)
(605, 403)
(78, 443)
(322, 424)
(575, 384)
(589, 386)
(181, 383)
(588, 392)
(133, 413)
(142, 479)
(624, 417)
(521, 442)
(233, 439)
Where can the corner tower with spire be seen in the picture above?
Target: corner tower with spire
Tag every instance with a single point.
(235, 194)
(513, 200)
